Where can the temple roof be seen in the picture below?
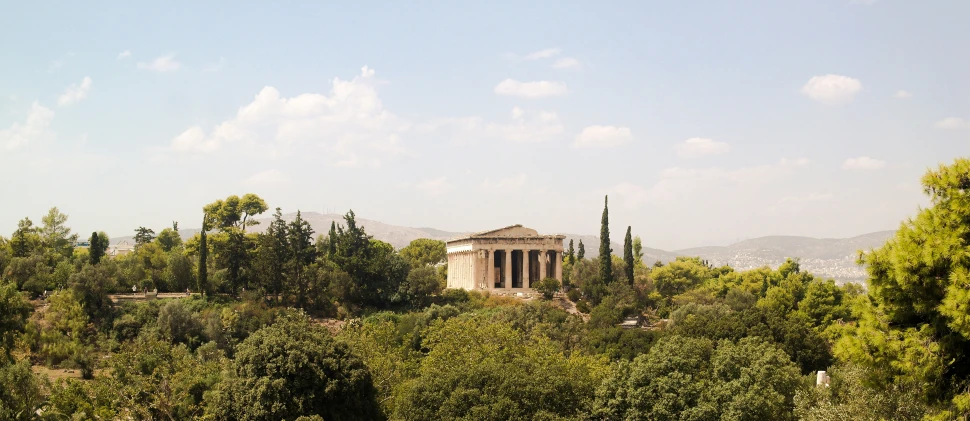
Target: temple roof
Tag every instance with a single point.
(511, 231)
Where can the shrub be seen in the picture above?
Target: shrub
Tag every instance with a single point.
(547, 287)
(455, 296)
(179, 324)
(582, 306)
(574, 295)
(293, 368)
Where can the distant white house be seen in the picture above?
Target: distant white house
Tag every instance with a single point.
(120, 249)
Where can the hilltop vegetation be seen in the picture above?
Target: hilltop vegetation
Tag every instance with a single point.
(292, 324)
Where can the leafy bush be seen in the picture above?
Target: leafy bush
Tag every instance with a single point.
(293, 368)
(455, 296)
(574, 295)
(179, 324)
(477, 369)
(21, 391)
(696, 378)
(547, 287)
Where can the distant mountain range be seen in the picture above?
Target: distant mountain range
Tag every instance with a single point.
(828, 257)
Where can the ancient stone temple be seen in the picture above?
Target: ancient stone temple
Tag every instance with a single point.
(506, 259)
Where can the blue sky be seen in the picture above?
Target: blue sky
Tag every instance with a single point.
(706, 122)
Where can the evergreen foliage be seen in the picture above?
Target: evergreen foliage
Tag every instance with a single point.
(687, 340)
(628, 258)
(606, 267)
(98, 247)
(637, 251)
(915, 328)
(144, 236)
(203, 286)
(292, 369)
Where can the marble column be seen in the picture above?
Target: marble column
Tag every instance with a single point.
(543, 256)
(525, 269)
(508, 269)
(490, 271)
(558, 262)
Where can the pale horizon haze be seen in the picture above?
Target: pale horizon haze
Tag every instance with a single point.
(705, 122)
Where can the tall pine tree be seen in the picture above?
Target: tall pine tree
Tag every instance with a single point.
(203, 264)
(274, 252)
(332, 240)
(570, 253)
(628, 255)
(606, 253)
(302, 254)
(581, 254)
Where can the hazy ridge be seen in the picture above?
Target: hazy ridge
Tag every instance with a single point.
(827, 257)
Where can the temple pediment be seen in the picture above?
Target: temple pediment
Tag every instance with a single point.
(510, 231)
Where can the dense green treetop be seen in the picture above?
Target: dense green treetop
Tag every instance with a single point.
(915, 324)
(424, 251)
(293, 368)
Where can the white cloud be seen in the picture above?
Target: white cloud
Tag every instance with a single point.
(507, 183)
(902, 94)
(123, 55)
(627, 195)
(863, 163)
(215, 67)
(161, 64)
(699, 146)
(434, 187)
(526, 126)
(678, 186)
(566, 63)
(34, 127)
(602, 137)
(270, 177)
(541, 54)
(953, 123)
(348, 127)
(537, 89)
(832, 89)
(75, 93)
(195, 140)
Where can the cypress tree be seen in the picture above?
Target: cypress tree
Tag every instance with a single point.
(628, 255)
(94, 248)
(637, 251)
(582, 251)
(606, 253)
(203, 256)
(570, 253)
(332, 240)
